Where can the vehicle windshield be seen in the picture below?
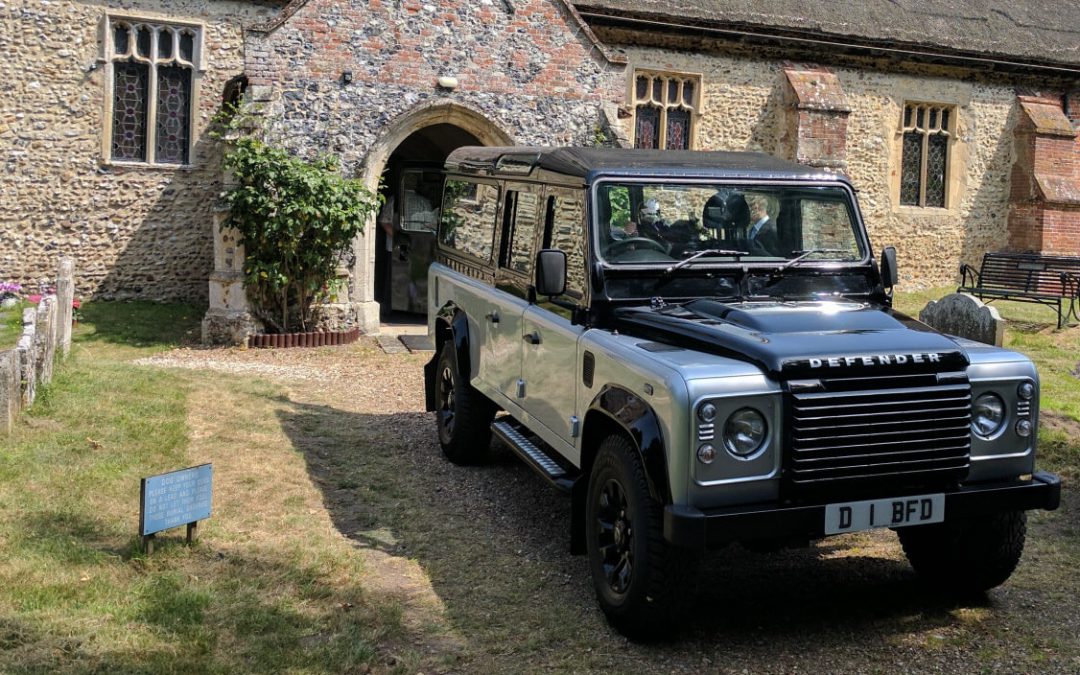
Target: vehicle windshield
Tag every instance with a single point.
(688, 224)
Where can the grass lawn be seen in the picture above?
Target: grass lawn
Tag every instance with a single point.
(77, 594)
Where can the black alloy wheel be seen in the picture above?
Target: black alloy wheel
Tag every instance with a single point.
(615, 537)
(641, 581)
(446, 403)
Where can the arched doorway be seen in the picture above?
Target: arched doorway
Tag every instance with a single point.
(405, 166)
(405, 239)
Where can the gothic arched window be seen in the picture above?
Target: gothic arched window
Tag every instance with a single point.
(152, 78)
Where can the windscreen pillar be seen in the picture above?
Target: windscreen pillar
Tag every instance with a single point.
(1044, 199)
(817, 117)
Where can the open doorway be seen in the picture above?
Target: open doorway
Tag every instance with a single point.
(405, 239)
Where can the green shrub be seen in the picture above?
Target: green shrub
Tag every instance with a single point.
(296, 219)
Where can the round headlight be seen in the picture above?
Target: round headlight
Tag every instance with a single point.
(706, 454)
(745, 432)
(706, 412)
(1026, 390)
(987, 415)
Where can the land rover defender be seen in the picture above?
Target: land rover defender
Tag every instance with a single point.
(700, 348)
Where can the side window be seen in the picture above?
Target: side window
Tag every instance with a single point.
(564, 229)
(468, 217)
(521, 217)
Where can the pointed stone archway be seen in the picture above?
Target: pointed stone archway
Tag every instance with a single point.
(228, 319)
(435, 116)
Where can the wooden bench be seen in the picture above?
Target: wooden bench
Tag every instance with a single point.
(1049, 280)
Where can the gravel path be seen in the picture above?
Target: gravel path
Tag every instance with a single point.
(492, 543)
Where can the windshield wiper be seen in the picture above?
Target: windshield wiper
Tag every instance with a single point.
(803, 255)
(709, 251)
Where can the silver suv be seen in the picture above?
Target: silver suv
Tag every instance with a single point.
(700, 349)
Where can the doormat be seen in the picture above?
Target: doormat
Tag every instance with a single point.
(390, 344)
(418, 343)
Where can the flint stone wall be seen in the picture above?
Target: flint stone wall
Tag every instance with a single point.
(138, 231)
(530, 68)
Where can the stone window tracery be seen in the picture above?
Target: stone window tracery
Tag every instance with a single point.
(927, 129)
(152, 77)
(665, 106)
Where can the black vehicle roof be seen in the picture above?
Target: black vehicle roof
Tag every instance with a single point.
(591, 163)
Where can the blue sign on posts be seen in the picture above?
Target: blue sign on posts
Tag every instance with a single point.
(174, 499)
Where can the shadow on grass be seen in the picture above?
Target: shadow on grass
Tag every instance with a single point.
(493, 540)
(139, 324)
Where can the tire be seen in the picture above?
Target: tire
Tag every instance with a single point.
(462, 414)
(969, 555)
(641, 582)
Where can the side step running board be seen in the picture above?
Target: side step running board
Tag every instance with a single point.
(534, 455)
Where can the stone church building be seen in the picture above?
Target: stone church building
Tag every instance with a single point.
(956, 119)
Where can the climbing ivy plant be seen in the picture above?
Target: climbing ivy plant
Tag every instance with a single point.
(295, 220)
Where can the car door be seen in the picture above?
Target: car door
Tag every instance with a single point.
(549, 359)
(521, 220)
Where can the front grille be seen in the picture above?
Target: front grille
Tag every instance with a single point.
(907, 430)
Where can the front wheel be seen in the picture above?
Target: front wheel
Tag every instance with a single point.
(967, 555)
(641, 582)
(462, 414)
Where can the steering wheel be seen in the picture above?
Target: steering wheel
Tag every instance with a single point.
(618, 247)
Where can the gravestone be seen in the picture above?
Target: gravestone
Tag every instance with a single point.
(65, 296)
(965, 316)
(10, 396)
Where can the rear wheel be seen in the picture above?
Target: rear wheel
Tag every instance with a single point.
(462, 414)
(968, 555)
(641, 581)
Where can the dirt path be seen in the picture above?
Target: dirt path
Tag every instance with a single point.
(478, 556)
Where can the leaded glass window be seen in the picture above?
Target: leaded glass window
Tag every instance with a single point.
(153, 70)
(664, 110)
(924, 162)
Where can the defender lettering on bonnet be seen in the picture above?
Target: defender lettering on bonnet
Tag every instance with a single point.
(874, 360)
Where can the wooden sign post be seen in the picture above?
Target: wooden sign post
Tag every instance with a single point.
(173, 499)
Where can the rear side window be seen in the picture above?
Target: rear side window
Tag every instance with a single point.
(468, 218)
(520, 223)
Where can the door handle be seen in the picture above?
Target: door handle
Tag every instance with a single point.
(493, 317)
(532, 338)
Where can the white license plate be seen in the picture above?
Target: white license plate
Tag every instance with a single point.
(898, 512)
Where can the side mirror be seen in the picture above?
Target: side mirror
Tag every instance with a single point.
(888, 267)
(550, 272)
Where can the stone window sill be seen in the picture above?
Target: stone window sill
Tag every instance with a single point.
(931, 211)
(142, 166)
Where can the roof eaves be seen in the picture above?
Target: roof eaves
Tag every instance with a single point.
(755, 33)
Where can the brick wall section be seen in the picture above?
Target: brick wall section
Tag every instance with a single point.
(1044, 213)
(136, 231)
(819, 112)
(534, 72)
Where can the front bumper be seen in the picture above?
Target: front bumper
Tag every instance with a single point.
(689, 527)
